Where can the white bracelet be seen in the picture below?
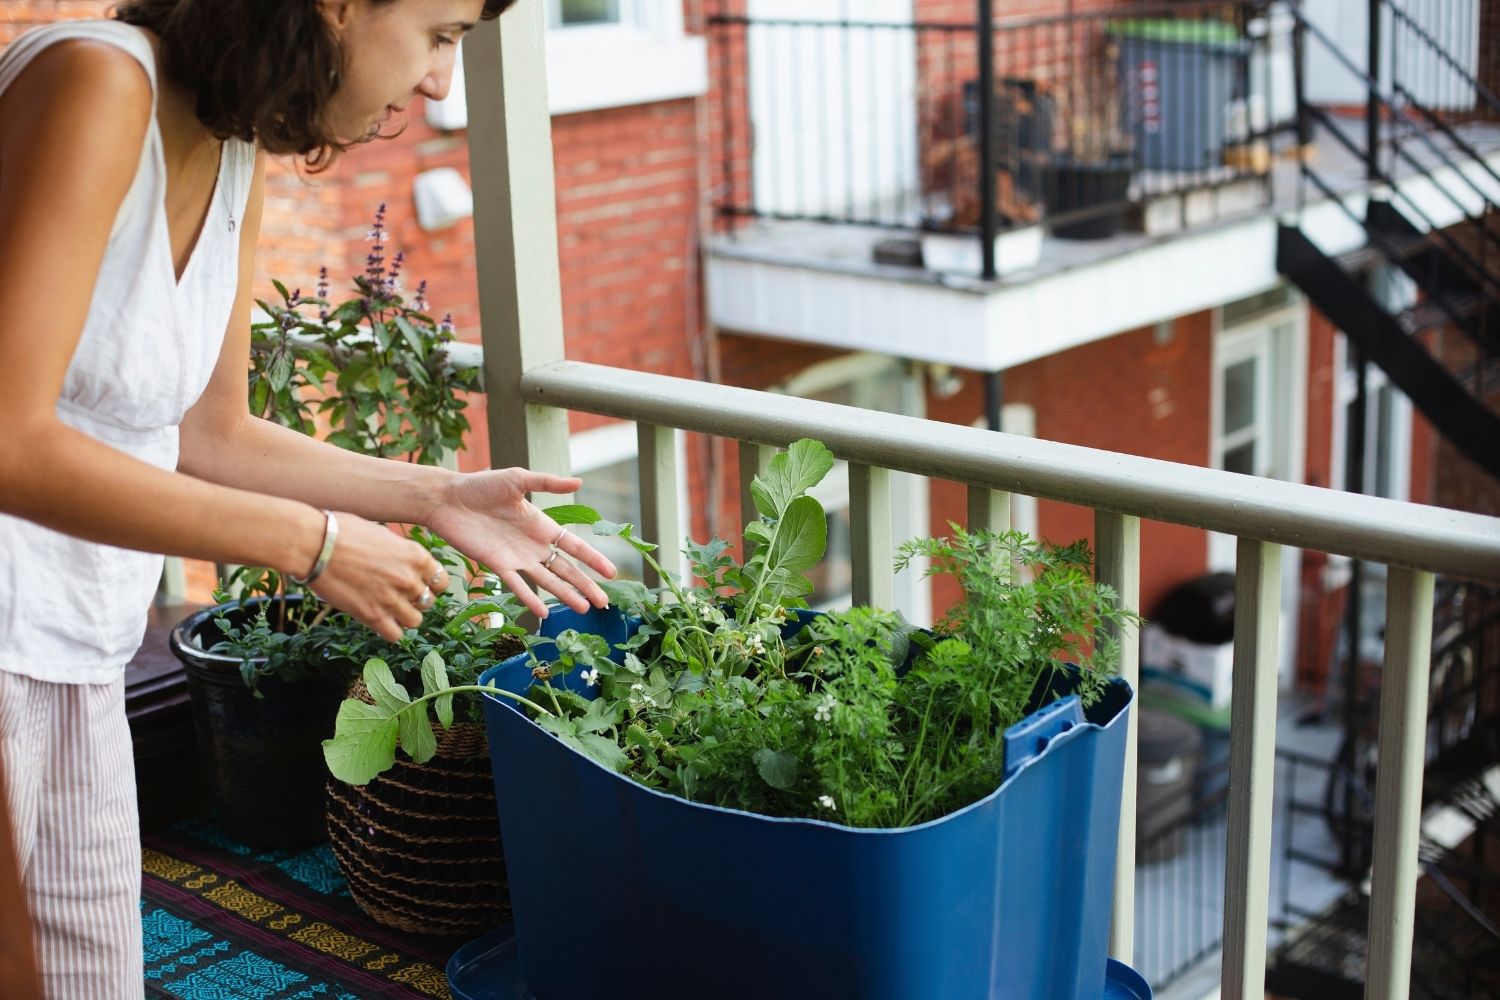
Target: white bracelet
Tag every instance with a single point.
(330, 535)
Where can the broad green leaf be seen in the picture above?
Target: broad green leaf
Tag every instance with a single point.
(625, 594)
(777, 767)
(416, 734)
(389, 695)
(602, 749)
(793, 472)
(434, 679)
(800, 538)
(558, 725)
(572, 513)
(363, 744)
(600, 716)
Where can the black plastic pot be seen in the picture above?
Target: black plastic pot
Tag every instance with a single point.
(1069, 186)
(262, 757)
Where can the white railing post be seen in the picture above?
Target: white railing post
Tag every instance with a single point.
(1398, 782)
(1252, 762)
(515, 232)
(661, 520)
(753, 460)
(989, 510)
(870, 535)
(1117, 562)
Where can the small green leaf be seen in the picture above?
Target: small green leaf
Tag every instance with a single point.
(472, 610)
(410, 334)
(389, 695)
(363, 744)
(572, 513)
(777, 768)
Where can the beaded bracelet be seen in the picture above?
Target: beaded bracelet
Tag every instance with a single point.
(330, 535)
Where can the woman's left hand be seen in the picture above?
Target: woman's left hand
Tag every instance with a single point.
(486, 516)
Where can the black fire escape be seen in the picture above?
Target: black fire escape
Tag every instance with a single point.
(1441, 347)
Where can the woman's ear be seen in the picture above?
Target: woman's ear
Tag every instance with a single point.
(337, 12)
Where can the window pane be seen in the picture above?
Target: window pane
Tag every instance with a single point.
(613, 491)
(590, 12)
(1241, 459)
(1239, 395)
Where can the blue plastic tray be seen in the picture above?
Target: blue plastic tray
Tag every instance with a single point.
(488, 968)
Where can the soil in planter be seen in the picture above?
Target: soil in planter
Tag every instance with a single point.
(420, 844)
(263, 757)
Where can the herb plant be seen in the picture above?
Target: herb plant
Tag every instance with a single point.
(730, 693)
(374, 368)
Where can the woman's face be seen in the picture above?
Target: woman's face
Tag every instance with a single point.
(393, 51)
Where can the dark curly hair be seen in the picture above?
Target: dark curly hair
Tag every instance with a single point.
(262, 72)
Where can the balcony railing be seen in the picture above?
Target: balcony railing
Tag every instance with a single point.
(531, 388)
(989, 126)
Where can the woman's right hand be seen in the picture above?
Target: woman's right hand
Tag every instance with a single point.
(379, 577)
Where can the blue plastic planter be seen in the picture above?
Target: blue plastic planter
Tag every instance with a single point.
(622, 891)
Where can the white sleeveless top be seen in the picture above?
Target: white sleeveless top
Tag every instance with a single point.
(75, 611)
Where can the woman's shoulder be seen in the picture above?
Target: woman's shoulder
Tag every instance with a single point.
(79, 95)
(111, 70)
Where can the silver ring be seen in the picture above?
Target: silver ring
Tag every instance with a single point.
(548, 563)
(559, 537)
(425, 599)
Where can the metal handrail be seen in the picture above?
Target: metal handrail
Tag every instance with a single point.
(1409, 535)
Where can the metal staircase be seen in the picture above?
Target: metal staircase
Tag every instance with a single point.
(1443, 350)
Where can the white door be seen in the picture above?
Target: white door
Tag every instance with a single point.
(833, 109)
(1258, 400)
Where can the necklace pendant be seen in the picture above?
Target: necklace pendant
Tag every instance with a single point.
(231, 224)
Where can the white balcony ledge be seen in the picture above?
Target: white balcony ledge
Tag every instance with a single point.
(817, 283)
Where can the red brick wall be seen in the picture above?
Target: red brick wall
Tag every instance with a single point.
(18, 15)
(1132, 394)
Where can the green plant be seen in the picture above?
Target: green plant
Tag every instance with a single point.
(721, 695)
(375, 364)
(375, 368)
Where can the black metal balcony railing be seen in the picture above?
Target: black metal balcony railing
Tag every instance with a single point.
(987, 126)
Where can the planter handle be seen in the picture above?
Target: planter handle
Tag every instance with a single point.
(1029, 738)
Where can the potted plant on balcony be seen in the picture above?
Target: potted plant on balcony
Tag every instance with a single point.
(870, 810)
(1021, 112)
(262, 673)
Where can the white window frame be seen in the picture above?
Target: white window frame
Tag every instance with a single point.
(1278, 336)
(646, 59)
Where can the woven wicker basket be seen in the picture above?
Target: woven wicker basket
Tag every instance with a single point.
(420, 845)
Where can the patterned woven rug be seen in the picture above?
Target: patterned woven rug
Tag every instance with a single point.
(227, 922)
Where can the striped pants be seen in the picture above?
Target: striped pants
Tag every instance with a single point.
(70, 778)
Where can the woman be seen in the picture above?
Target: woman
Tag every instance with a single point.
(132, 157)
